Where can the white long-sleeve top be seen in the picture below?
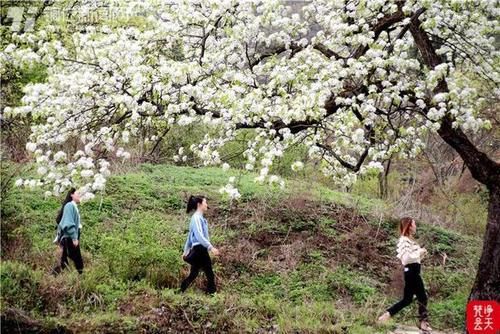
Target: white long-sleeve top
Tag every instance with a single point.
(409, 251)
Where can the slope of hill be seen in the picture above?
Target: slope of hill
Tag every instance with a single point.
(305, 259)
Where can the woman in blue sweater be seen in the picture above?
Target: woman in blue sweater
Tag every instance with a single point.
(68, 231)
(198, 245)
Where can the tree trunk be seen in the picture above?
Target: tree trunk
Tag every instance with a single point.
(487, 283)
(383, 181)
(486, 171)
(382, 189)
(482, 168)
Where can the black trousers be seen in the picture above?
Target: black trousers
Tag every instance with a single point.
(413, 286)
(201, 260)
(73, 252)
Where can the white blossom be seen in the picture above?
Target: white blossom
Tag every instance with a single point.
(87, 196)
(358, 136)
(232, 192)
(125, 136)
(297, 165)
(274, 179)
(31, 147)
(99, 182)
(282, 95)
(59, 156)
(87, 173)
(42, 170)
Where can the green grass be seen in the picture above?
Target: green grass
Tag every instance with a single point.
(296, 281)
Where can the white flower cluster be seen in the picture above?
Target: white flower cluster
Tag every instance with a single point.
(267, 68)
(230, 190)
(297, 165)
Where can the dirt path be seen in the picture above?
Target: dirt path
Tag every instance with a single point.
(415, 330)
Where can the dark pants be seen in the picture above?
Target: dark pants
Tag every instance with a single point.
(73, 252)
(413, 286)
(200, 260)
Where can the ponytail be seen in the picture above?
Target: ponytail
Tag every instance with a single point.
(193, 202)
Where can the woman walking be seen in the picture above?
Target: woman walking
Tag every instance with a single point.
(68, 231)
(198, 245)
(410, 254)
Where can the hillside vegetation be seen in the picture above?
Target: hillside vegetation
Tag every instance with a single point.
(304, 259)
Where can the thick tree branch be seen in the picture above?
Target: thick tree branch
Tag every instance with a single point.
(384, 24)
(482, 168)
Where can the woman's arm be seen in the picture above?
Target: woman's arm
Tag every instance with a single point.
(198, 233)
(187, 245)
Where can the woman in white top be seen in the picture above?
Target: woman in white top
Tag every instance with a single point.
(410, 254)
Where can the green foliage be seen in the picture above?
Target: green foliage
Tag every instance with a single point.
(268, 283)
(308, 318)
(101, 288)
(309, 281)
(468, 210)
(132, 239)
(438, 238)
(283, 166)
(362, 204)
(461, 250)
(144, 247)
(8, 173)
(445, 283)
(359, 287)
(450, 311)
(182, 136)
(20, 284)
(232, 152)
(367, 185)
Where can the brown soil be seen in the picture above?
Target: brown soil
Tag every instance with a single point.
(15, 321)
(298, 227)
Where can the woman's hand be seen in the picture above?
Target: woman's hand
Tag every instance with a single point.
(75, 243)
(215, 251)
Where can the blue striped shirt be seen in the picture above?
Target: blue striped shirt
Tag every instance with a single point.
(198, 233)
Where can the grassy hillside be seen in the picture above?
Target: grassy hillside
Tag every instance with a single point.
(301, 260)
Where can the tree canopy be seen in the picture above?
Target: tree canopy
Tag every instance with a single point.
(355, 81)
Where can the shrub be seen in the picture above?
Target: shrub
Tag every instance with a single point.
(445, 283)
(345, 280)
(20, 285)
(309, 281)
(449, 312)
(144, 248)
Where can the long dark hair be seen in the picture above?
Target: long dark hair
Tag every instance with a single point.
(66, 201)
(193, 202)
